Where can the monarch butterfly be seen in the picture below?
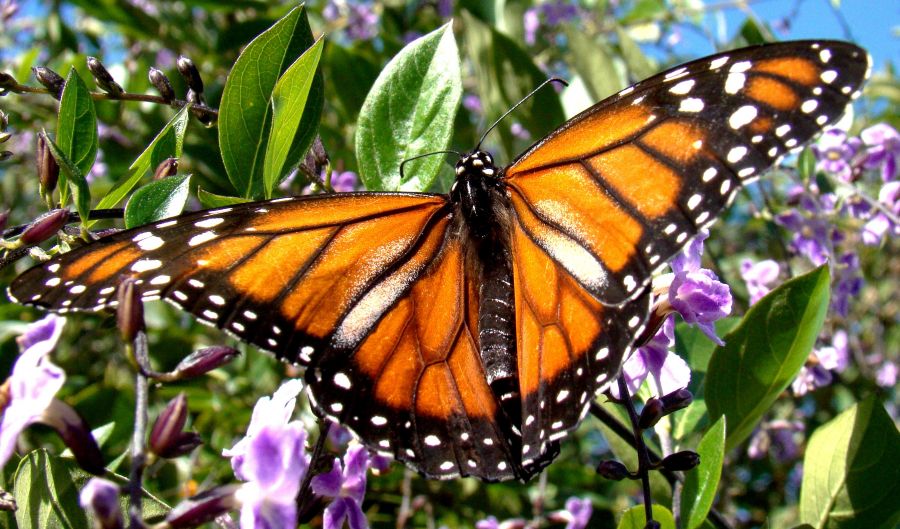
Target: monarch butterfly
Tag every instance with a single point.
(466, 333)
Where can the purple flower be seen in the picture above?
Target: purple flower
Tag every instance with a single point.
(880, 224)
(490, 522)
(344, 181)
(347, 487)
(272, 411)
(835, 152)
(886, 376)
(472, 103)
(532, 21)
(275, 462)
(847, 283)
(360, 18)
(809, 378)
(758, 277)
(34, 382)
(101, 498)
(818, 373)
(883, 149)
(445, 8)
(835, 357)
(577, 513)
(553, 13)
(519, 131)
(812, 235)
(777, 439)
(654, 359)
(696, 293)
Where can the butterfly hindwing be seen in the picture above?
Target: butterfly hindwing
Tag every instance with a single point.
(619, 189)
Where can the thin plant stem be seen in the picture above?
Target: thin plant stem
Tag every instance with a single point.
(138, 454)
(643, 456)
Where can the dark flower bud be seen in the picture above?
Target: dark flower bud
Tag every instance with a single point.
(204, 507)
(651, 414)
(167, 438)
(684, 460)
(7, 502)
(159, 81)
(51, 80)
(204, 360)
(101, 498)
(677, 400)
(47, 167)
(191, 75)
(653, 524)
(7, 81)
(130, 310)
(76, 434)
(612, 469)
(44, 227)
(4, 216)
(166, 168)
(5, 155)
(102, 76)
(4, 119)
(315, 159)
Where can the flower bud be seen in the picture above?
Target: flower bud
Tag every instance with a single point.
(5, 155)
(653, 524)
(162, 84)
(684, 460)
(191, 75)
(203, 507)
(4, 118)
(4, 216)
(166, 168)
(651, 414)
(167, 438)
(204, 360)
(47, 167)
(677, 400)
(102, 76)
(612, 469)
(101, 498)
(7, 81)
(130, 310)
(76, 434)
(51, 80)
(44, 227)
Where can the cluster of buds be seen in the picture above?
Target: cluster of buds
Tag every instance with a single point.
(191, 76)
(654, 410)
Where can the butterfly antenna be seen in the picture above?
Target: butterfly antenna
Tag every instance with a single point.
(422, 156)
(526, 98)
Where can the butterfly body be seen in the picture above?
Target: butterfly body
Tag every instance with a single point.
(467, 333)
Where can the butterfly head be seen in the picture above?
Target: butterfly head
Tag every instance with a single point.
(477, 180)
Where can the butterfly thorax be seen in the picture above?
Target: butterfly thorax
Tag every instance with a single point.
(476, 191)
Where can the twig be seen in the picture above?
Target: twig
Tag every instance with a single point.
(641, 448)
(138, 456)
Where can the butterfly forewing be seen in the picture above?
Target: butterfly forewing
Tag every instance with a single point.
(620, 188)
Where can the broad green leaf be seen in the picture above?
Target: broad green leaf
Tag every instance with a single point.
(410, 111)
(245, 113)
(851, 471)
(765, 352)
(212, 200)
(74, 180)
(505, 74)
(690, 419)
(166, 144)
(46, 488)
(635, 518)
(700, 484)
(594, 62)
(288, 107)
(76, 128)
(695, 347)
(645, 10)
(639, 65)
(157, 200)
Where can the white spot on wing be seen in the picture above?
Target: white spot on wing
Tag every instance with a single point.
(341, 380)
(809, 105)
(715, 64)
(742, 116)
(691, 104)
(736, 154)
(683, 88)
(734, 82)
(209, 223)
(217, 300)
(144, 265)
(781, 130)
(202, 238)
(432, 440)
(828, 76)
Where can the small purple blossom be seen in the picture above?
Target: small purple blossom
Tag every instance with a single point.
(835, 153)
(669, 371)
(347, 487)
(812, 235)
(273, 411)
(274, 464)
(34, 382)
(360, 18)
(883, 149)
(100, 497)
(847, 283)
(759, 277)
(445, 8)
(472, 103)
(886, 376)
(343, 181)
(553, 14)
(827, 359)
(490, 522)
(519, 131)
(777, 439)
(880, 224)
(696, 293)
(809, 378)
(577, 513)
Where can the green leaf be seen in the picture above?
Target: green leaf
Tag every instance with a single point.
(75, 181)
(288, 107)
(166, 144)
(157, 200)
(46, 488)
(351, 75)
(851, 471)
(634, 518)
(638, 64)
(594, 62)
(245, 115)
(701, 483)
(212, 200)
(765, 352)
(410, 111)
(76, 128)
(695, 347)
(690, 419)
(505, 74)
